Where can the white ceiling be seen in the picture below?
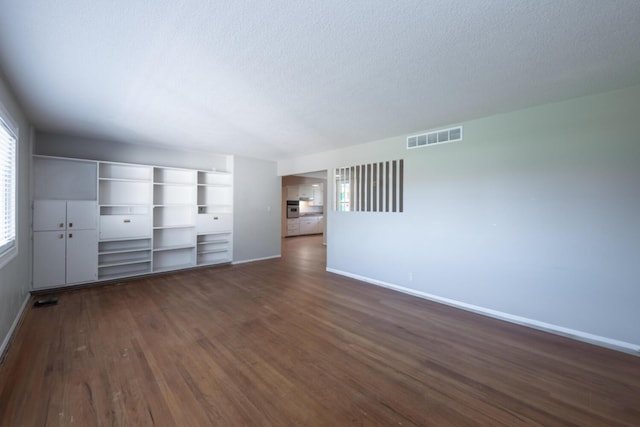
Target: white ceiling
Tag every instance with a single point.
(276, 79)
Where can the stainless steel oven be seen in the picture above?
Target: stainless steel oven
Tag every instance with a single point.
(293, 209)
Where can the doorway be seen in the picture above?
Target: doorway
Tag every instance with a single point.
(309, 191)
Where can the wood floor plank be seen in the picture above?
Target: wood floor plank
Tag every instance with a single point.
(284, 343)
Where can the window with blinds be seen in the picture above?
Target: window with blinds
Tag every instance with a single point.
(373, 187)
(8, 140)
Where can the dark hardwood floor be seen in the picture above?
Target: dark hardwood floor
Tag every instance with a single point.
(284, 343)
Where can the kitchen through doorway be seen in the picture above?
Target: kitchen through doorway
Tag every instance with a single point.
(304, 205)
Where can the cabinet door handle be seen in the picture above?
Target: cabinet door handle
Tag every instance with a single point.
(62, 225)
(61, 236)
(70, 235)
(126, 221)
(215, 218)
(70, 224)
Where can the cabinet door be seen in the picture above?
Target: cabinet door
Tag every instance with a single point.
(318, 196)
(293, 227)
(292, 192)
(82, 214)
(82, 256)
(305, 191)
(207, 223)
(307, 226)
(48, 258)
(125, 226)
(49, 215)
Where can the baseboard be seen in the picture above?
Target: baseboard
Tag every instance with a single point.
(524, 321)
(244, 261)
(9, 337)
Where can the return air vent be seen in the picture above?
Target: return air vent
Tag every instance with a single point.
(436, 137)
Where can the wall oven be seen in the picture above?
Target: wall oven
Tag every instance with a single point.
(293, 209)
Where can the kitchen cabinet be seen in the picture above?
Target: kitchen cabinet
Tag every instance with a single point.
(318, 195)
(293, 193)
(65, 242)
(305, 192)
(293, 226)
(311, 225)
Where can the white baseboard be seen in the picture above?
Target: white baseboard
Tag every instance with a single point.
(10, 332)
(524, 321)
(244, 261)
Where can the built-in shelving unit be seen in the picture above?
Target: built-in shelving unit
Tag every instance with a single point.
(215, 217)
(123, 258)
(150, 218)
(174, 226)
(124, 194)
(214, 248)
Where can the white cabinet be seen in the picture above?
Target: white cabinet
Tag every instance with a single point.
(293, 226)
(82, 256)
(308, 225)
(292, 192)
(311, 225)
(318, 195)
(65, 242)
(120, 227)
(305, 192)
(49, 258)
(309, 192)
(109, 220)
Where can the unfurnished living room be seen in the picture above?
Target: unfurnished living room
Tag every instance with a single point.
(320, 213)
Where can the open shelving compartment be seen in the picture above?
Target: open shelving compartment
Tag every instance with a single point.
(123, 258)
(214, 247)
(174, 225)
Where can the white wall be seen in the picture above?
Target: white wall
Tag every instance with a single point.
(15, 277)
(256, 217)
(256, 184)
(534, 215)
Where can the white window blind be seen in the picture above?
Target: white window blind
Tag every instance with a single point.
(7, 187)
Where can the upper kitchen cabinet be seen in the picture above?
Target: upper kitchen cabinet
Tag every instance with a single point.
(305, 192)
(292, 192)
(312, 193)
(318, 195)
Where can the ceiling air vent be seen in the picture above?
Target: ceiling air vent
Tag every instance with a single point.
(435, 137)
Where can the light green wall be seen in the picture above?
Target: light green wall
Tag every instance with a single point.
(534, 216)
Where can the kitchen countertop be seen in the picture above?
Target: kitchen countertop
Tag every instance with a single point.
(307, 214)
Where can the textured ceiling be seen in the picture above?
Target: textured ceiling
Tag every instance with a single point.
(276, 79)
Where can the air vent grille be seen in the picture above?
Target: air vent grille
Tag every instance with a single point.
(435, 137)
